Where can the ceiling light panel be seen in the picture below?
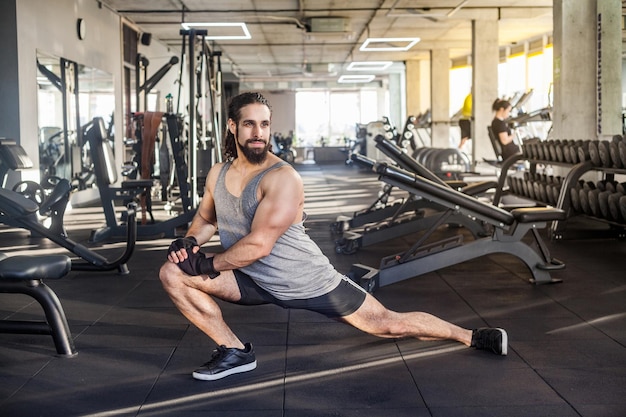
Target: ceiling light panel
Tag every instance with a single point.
(220, 30)
(356, 78)
(369, 66)
(388, 44)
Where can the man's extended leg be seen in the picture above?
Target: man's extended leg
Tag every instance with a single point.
(374, 318)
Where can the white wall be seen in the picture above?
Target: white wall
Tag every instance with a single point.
(50, 27)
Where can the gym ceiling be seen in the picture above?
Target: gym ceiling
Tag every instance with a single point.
(317, 40)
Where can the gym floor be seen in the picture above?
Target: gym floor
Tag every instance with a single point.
(567, 352)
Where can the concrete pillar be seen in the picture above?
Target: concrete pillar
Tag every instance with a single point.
(417, 87)
(440, 97)
(397, 109)
(485, 60)
(609, 68)
(587, 55)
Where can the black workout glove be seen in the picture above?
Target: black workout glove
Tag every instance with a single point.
(187, 243)
(198, 264)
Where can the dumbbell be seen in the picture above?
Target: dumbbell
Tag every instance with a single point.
(574, 195)
(545, 147)
(567, 156)
(539, 190)
(621, 148)
(534, 149)
(553, 189)
(512, 182)
(551, 149)
(543, 188)
(614, 207)
(560, 157)
(608, 200)
(604, 187)
(622, 207)
(594, 153)
(604, 152)
(583, 195)
(527, 185)
(614, 151)
(584, 151)
(526, 150)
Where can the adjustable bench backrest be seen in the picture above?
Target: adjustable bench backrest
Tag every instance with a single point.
(12, 158)
(404, 160)
(15, 205)
(444, 195)
(101, 153)
(495, 142)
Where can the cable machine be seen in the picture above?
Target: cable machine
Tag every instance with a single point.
(205, 106)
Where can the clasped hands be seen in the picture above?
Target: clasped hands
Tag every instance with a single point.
(195, 262)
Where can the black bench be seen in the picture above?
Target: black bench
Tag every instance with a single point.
(509, 228)
(25, 275)
(410, 216)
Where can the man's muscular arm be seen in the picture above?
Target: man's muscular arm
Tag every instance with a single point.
(281, 200)
(204, 223)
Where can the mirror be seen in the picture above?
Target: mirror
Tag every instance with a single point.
(70, 95)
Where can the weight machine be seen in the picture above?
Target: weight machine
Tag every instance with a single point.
(205, 107)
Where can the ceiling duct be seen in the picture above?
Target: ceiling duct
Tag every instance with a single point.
(329, 25)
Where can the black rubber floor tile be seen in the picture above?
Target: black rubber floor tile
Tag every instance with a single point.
(540, 330)
(334, 377)
(359, 412)
(481, 388)
(583, 353)
(93, 382)
(512, 302)
(594, 388)
(147, 316)
(563, 410)
(130, 336)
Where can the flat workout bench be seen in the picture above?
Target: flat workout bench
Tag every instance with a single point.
(508, 230)
(25, 275)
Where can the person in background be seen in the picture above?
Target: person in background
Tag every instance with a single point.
(465, 122)
(501, 129)
(256, 200)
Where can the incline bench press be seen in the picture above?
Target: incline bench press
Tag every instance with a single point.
(399, 223)
(508, 230)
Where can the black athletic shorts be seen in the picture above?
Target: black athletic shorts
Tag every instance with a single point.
(340, 302)
(466, 128)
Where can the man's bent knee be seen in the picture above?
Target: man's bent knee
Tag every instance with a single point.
(169, 274)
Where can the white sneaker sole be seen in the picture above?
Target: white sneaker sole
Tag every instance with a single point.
(505, 342)
(212, 377)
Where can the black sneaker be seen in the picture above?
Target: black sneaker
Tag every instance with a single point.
(226, 361)
(493, 339)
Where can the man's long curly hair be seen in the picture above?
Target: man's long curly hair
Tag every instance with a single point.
(234, 112)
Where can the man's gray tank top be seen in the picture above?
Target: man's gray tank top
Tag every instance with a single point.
(296, 268)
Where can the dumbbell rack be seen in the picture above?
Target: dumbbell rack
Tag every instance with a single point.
(576, 156)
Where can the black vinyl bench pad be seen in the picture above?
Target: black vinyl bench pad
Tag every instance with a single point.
(456, 200)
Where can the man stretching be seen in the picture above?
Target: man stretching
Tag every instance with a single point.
(257, 201)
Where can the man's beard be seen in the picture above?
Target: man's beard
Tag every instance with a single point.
(254, 155)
